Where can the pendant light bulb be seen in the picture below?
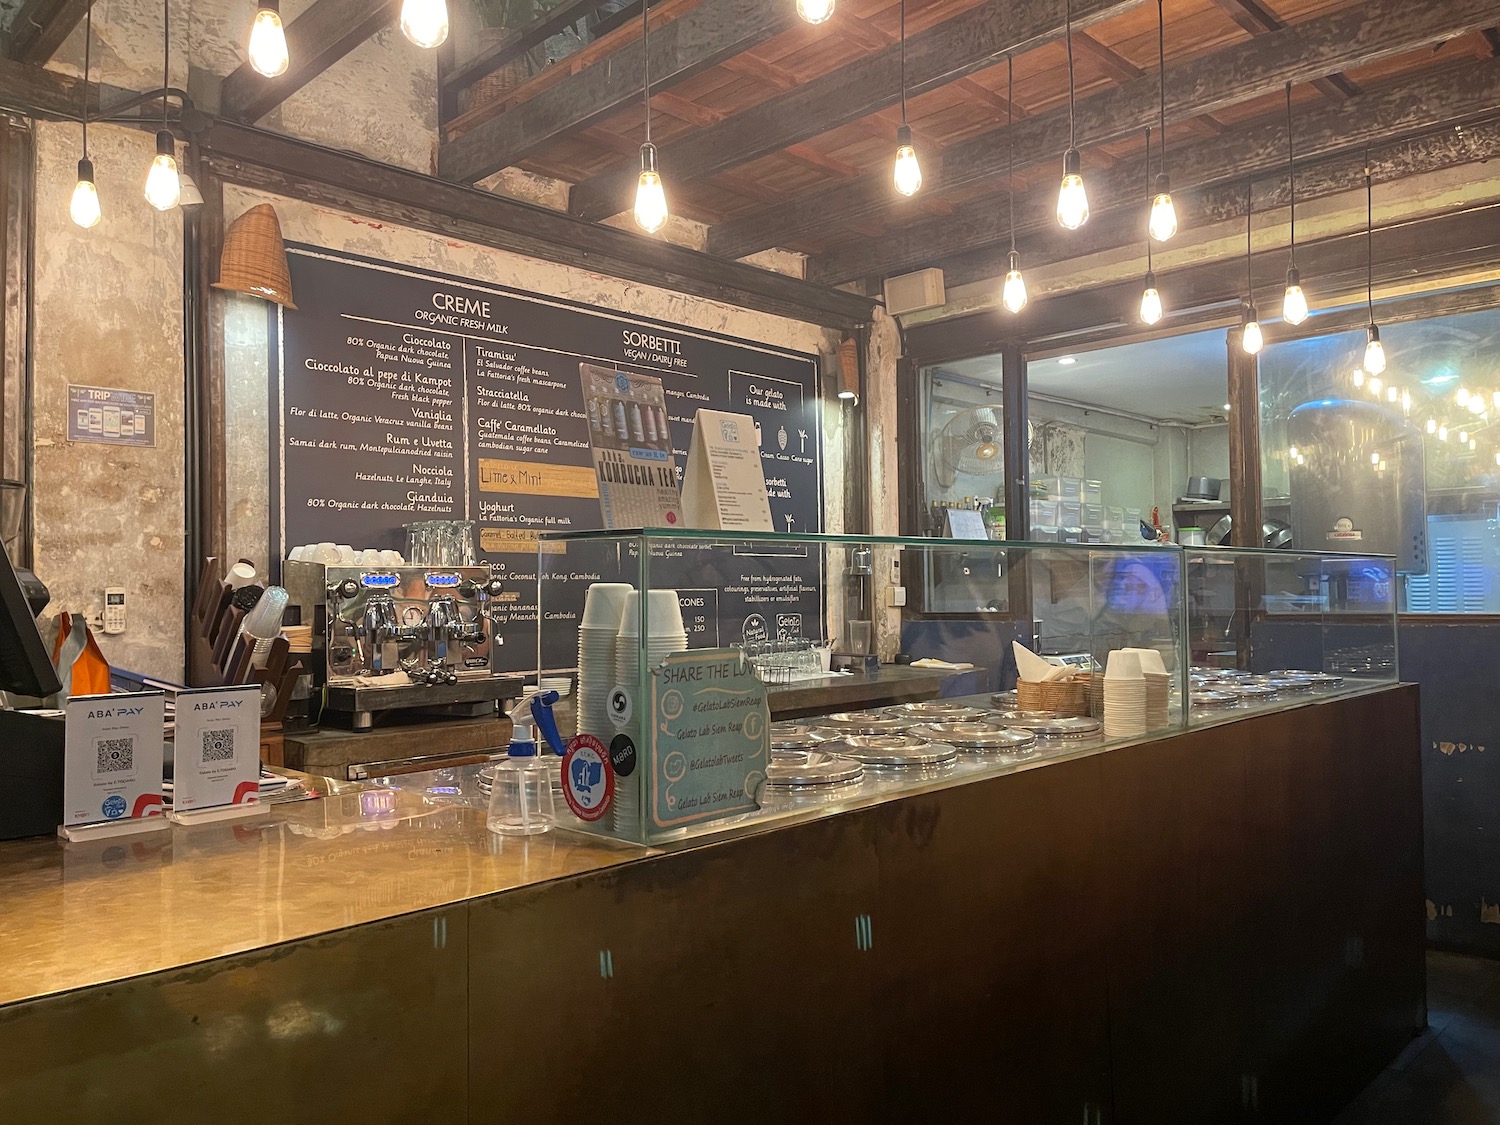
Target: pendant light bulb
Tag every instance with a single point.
(163, 188)
(1374, 351)
(815, 11)
(908, 171)
(1013, 292)
(425, 22)
(1294, 303)
(85, 204)
(1163, 224)
(650, 198)
(1072, 197)
(267, 50)
(1251, 337)
(1151, 309)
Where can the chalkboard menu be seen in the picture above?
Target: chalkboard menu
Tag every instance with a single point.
(400, 395)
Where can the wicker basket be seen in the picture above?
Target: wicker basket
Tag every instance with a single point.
(495, 85)
(1062, 697)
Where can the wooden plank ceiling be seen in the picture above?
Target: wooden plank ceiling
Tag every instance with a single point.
(776, 133)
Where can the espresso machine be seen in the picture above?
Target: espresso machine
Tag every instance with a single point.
(411, 638)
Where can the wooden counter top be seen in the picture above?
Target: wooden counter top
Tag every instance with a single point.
(75, 915)
(78, 915)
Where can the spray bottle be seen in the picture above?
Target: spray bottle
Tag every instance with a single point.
(521, 802)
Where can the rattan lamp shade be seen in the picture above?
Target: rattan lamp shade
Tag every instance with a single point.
(254, 257)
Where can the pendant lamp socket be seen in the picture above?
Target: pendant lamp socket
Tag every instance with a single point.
(1294, 303)
(1251, 337)
(1013, 292)
(908, 173)
(650, 196)
(84, 207)
(267, 51)
(1163, 223)
(163, 188)
(1374, 350)
(1072, 197)
(1151, 307)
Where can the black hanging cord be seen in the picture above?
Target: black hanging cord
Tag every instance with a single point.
(1369, 240)
(88, 35)
(1249, 266)
(1148, 196)
(1161, 63)
(903, 62)
(1010, 138)
(166, 57)
(1291, 176)
(1068, 33)
(646, 63)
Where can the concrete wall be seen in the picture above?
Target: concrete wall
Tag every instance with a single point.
(107, 311)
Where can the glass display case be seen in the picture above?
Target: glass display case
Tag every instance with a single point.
(687, 645)
(1268, 627)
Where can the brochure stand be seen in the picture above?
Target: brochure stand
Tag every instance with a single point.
(80, 833)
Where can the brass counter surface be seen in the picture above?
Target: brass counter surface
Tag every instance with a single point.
(75, 915)
(79, 915)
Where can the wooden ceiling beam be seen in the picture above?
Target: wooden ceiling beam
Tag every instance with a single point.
(346, 182)
(696, 40)
(513, 46)
(1371, 32)
(1209, 180)
(1257, 19)
(323, 34)
(40, 27)
(943, 54)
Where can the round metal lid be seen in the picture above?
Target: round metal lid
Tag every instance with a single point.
(937, 710)
(866, 722)
(1019, 718)
(809, 769)
(1323, 680)
(1251, 690)
(1005, 700)
(798, 736)
(1060, 727)
(1293, 685)
(894, 751)
(978, 738)
(1213, 698)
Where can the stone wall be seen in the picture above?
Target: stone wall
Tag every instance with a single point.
(107, 311)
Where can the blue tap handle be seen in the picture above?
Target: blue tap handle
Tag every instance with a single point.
(546, 722)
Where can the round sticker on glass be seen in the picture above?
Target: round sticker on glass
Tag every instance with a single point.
(588, 778)
(622, 755)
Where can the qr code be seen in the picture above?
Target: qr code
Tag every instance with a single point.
(116, 755)
(218, 746)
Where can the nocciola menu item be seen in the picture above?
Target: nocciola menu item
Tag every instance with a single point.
(632, 446)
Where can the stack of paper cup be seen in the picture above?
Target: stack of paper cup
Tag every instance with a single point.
(1158, 688)
(1124, 695)
(597, 630)
(664, 635)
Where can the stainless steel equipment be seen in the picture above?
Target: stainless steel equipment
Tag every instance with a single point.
(1358, 481)
(431, 623)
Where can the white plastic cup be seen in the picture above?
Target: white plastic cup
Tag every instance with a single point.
(603, 605)
(1124, 664)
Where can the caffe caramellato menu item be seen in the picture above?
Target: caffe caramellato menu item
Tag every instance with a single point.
(400, 395)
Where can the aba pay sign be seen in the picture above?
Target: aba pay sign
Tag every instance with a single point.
(216, 748)
(112, 752)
